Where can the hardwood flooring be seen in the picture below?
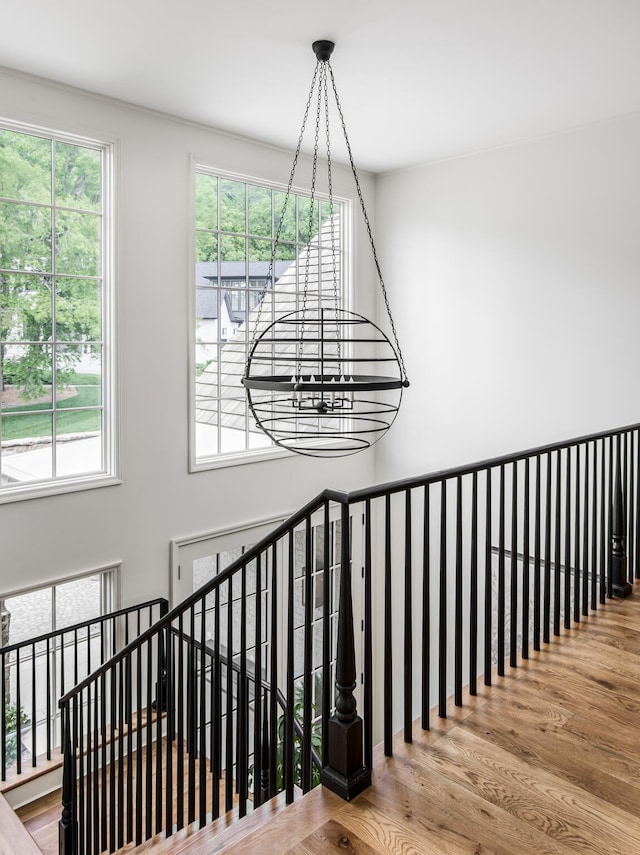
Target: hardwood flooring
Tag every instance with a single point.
(544, 762)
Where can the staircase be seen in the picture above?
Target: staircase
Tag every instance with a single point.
(258, 686)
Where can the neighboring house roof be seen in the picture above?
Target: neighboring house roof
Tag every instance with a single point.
(206, 271)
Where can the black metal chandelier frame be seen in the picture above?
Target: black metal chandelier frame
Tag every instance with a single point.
(318, 403)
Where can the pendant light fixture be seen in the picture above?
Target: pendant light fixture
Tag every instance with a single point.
(323, 381)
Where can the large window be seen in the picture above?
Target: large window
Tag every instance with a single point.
(55, 271)
(238, 291)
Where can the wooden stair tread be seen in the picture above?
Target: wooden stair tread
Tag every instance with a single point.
(44, 765)
(14, 837)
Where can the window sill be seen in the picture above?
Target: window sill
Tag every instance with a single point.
(21, 492)
(222, 461)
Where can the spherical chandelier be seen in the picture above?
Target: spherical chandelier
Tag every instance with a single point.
(322, 381)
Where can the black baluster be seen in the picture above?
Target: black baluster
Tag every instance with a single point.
(34, 753)
(103, 763)
(306, 770)
(636, 517)
(368, 642)
(442, 616)
(202, 758)
(547, 557)
(594, 529)
(169, 705)
(577, 570)
(288, 746)
(139, 743)
(558, 533)
(192, 714)
(619, 580)
(603, 536)
(3, 716)
(243, 700)
(585, 535)
(408, 651)
(148, 804)
(501, 571)
(275, 627)
(631, 552)
(48, 689)
(426, 613)
(457, 653)
(526, 592)
(488, 584)
(567, 546)
(264, 747)
(128, 713)
(121, 729)
(180, 746)
(346, 774)
(257, 689)
(113, 843)
(473, 596)
(388, 654)
(326, 634)
(610, 523)
(513, 582)
(18, 716)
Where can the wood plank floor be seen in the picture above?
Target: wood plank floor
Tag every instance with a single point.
(545, 762)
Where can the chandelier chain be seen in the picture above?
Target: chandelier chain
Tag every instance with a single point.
(276, 240)
(336, 299)
(314, 174)
(366, 220)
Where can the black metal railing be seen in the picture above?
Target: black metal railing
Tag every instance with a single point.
(265, 678)
(36, 672)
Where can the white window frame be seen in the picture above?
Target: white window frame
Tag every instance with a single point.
(110, 473)
(222, 460)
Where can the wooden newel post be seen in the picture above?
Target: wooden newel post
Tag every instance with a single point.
(345, 773)
(619, 577)
(66, 836)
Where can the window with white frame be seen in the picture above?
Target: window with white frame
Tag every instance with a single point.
(237, 290)
(55, 299)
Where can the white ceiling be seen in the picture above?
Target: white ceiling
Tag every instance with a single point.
(419, 80)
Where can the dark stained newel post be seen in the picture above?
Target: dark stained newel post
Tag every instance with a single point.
(620, 586)
(345, 773)
(65, 826)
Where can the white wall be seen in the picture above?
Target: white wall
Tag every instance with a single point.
(514, 278)
(49, 538)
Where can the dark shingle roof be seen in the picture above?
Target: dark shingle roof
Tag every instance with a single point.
(206, 271)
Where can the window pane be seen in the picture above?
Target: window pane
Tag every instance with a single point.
(233, 252)
(78, 245)
(30, 615)
(25, 307)
(206, 201)
(232, 206)
(206, 247)
(78, 601)
(78, 177)
(260, 211)
(26, 452)
(78, 310)
(25, 237)
(25, 167)
(26, 374)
